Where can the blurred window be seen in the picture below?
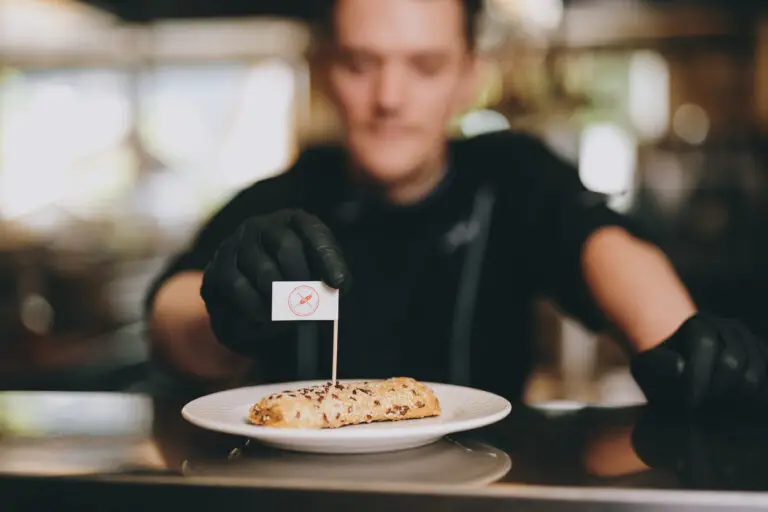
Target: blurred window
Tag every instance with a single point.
(63, 140)
(222, 126)
(70, 139)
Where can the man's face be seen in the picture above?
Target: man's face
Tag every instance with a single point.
(399, 71)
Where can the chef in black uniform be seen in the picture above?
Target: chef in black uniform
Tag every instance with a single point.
(439, 247)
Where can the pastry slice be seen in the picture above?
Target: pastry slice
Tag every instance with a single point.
(334, 406)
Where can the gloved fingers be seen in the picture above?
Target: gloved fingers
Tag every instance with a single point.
(224, 283)
(256, 264)
(731, 362)
(322, 250)
(753, 382)
(285, 247)
(658, 372)
(699, 346)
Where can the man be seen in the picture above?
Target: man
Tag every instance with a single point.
(449, 242)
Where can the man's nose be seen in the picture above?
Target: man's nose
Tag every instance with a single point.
(390, 88)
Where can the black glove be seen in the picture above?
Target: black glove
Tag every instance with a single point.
(708, 363)
(289, 245)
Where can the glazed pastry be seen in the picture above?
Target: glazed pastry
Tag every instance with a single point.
(334, 406)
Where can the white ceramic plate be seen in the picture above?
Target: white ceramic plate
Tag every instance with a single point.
(462, 409)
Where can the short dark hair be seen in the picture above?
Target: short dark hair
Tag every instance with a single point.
(322, 18)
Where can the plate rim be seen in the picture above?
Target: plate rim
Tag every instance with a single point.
(350, 433)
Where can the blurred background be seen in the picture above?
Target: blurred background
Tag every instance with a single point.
(125, 123)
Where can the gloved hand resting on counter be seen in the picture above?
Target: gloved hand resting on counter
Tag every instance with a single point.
(290, 245)
(708, 363)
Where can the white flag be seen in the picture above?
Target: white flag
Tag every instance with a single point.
(304, 300)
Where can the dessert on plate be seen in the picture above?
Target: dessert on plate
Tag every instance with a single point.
(351, 403)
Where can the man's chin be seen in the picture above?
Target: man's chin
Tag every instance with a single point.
(387, 168)
(387, 172)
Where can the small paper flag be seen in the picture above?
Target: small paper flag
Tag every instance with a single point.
(304, 300)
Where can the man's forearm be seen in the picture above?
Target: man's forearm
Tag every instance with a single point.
(181, 337)
(636, 286)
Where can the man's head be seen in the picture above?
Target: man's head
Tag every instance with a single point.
(399, 70)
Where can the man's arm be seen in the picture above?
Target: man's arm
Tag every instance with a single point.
(635, 286)
(584, 257)
(683, 359)
(589, 258)
(182, 341)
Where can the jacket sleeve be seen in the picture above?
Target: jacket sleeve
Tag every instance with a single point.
(559, 214)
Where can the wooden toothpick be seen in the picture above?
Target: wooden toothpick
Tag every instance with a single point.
(335, 347)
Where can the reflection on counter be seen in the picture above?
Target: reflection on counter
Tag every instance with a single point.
(448, 462)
